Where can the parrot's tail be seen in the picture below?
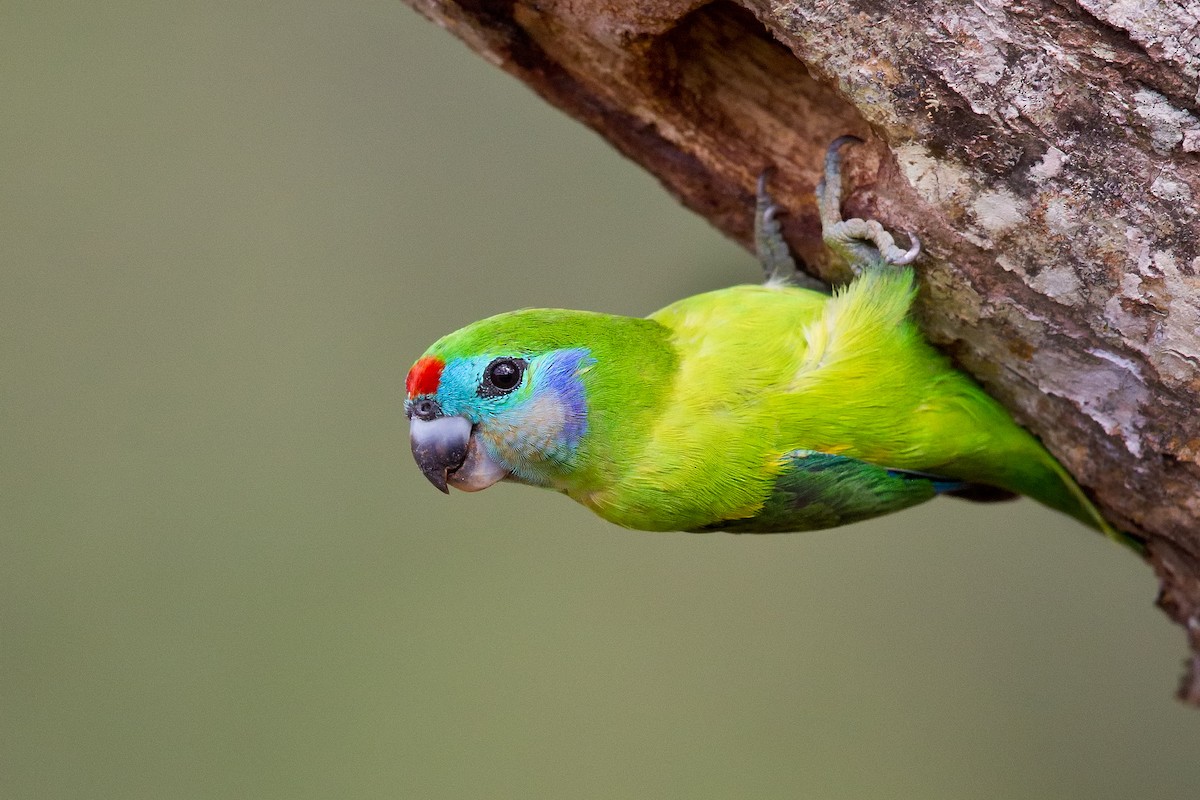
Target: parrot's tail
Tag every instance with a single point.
(1068, 496)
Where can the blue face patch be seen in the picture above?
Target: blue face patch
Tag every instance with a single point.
(557, 374)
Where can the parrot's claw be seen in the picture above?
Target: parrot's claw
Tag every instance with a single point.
(910, 255)
(860, 242)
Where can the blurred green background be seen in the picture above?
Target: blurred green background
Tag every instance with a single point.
(226, 231)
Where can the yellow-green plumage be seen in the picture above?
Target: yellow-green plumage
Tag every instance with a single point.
(755, 408)
(767, 370)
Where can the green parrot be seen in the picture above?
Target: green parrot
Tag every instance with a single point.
(754, 409)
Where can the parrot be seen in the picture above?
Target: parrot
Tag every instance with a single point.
(761, 408)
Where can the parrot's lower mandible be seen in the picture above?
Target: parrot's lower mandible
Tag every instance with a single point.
(750, 409)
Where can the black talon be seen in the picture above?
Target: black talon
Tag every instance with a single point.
(843, 140)
(763, 177)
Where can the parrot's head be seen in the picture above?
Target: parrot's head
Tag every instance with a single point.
(505, 398)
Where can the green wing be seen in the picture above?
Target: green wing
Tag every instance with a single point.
(819, 490)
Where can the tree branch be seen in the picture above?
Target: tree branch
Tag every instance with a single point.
(1046, 153)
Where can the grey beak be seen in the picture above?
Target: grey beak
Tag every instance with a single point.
(439, 446)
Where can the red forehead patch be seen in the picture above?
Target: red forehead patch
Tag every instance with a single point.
(424, 376)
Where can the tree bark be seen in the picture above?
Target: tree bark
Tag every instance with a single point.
(1047, 152)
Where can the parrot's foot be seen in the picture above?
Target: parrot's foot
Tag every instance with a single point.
(772, 250)
(861, 242)
(773, 253)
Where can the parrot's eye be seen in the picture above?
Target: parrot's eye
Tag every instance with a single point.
(501, 377)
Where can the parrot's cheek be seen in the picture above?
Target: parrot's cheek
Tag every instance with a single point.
(478, 470)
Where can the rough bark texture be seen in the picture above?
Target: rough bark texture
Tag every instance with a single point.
(1047, 152)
